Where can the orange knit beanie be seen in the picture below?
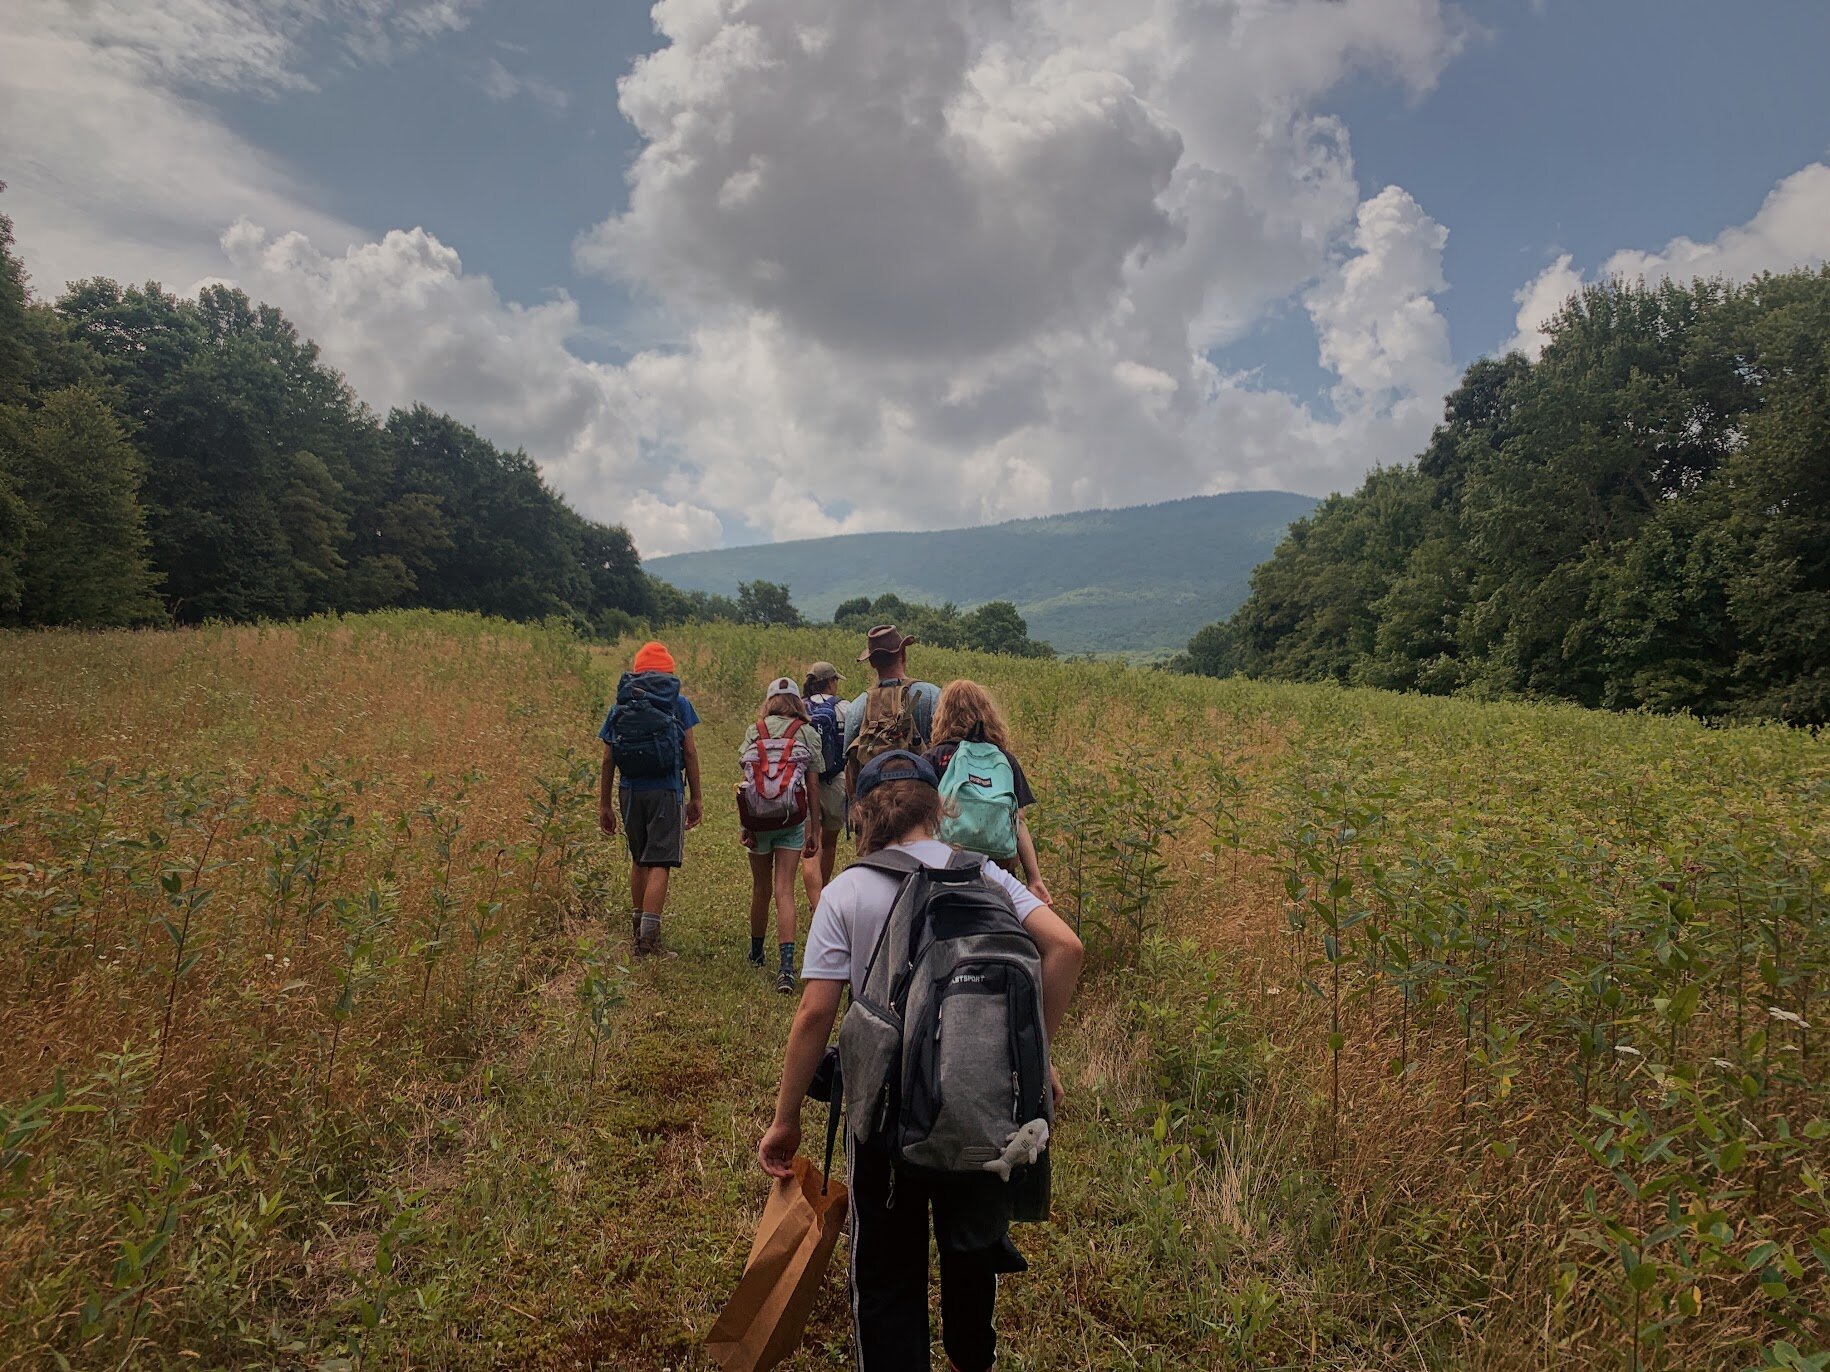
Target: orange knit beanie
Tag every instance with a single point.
(654, 657)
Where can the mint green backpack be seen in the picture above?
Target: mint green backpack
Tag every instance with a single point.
(979, 801)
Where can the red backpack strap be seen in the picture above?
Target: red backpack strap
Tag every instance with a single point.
(779, 766)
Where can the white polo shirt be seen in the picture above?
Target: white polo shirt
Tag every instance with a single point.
(856, 903)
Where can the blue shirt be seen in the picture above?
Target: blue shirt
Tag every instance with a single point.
(927, 696)
(688, 717)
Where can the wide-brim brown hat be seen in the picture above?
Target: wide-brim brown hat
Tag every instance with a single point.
(885, 640)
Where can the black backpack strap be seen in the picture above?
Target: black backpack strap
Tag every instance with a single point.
(833, 1105)
(892, 862)
(895, 862)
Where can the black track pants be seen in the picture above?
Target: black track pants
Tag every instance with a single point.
(889, 1276)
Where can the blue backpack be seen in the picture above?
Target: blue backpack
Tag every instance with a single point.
(824, 712)
(978, 797)
(645, 726)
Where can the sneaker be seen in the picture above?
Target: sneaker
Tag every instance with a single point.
(784, 982)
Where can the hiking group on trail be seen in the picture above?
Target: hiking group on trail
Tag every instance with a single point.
(959, 972)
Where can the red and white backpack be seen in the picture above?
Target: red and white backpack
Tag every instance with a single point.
(773, 794)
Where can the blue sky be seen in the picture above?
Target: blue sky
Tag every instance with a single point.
(1248, 247)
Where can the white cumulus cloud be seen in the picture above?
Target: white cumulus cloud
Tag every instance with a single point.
(115, 163)
(1791, 229)
(403, 318)
(918, 264)
(963, 260)
(1539, 300)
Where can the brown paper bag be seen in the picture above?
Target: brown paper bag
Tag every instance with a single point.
(763, 1321)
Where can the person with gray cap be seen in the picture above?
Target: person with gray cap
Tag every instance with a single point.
(778, 807)
(896, 810)
(826, 711)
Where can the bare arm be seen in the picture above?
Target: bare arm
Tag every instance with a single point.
(694, 810)
(606, 793)
(1032, 866)
(1062, 956)
(806, 1046)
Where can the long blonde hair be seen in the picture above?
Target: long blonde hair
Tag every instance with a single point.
(966, 706)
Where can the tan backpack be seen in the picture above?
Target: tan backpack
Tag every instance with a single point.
(889, 723)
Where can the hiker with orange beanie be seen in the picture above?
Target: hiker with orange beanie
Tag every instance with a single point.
(648, 739)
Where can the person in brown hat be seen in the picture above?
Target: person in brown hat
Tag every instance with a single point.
(897, 712)
(826, 711)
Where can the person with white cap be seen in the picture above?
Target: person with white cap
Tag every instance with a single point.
(778, 806)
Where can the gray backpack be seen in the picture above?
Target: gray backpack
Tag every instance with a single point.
(943, 1055)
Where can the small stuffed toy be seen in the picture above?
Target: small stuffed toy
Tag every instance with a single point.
(1021, 1148)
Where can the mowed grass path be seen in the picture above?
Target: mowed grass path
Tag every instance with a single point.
(604, 1225)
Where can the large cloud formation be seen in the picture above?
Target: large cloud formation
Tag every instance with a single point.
(918, 264)
(1791, 229)
(962, 260)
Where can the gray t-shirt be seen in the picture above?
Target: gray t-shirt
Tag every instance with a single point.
(855, 904)
(927, 696)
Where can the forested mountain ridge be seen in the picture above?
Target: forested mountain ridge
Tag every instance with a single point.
(168, 459)
(1639, 519)
(1126, 580)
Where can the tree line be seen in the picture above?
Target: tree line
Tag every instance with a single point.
(170, 460)
(1639, 519)
(993, 627)
(164, 459)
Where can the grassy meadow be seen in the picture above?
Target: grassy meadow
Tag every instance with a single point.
(1415, 1034)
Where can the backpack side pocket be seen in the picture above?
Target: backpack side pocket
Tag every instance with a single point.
(870, 1047)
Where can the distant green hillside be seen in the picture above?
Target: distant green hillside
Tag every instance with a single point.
(1139, 580)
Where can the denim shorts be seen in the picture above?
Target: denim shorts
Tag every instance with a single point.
(768, 840)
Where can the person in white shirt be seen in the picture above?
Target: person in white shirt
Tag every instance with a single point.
(898, 805)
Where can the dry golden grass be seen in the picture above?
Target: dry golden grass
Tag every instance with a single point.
(461, 1192)
(350, 816)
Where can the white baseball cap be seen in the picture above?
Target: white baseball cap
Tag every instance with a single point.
(783, 686)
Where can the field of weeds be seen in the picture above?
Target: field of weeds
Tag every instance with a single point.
(1415, 1033)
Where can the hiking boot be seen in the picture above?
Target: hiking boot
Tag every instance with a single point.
(648, 945)
(784, 982)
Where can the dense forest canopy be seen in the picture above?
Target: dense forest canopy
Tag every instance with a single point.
(167, 459)
(1639, 519)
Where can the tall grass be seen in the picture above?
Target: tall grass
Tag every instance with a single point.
(271, 900)
(1416, 1032)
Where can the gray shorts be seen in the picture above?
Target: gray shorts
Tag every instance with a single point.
(654, 822)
